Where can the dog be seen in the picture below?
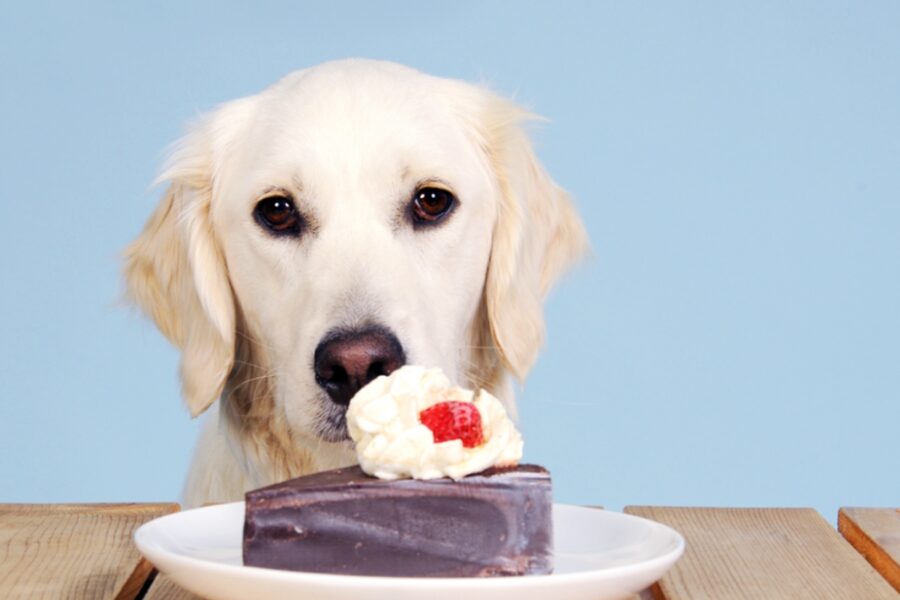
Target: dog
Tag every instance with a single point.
(353, 217)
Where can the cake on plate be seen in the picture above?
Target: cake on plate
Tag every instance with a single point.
(438, 492)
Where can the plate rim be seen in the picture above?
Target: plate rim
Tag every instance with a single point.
(153, 551)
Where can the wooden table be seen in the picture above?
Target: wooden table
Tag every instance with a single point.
(85, 551)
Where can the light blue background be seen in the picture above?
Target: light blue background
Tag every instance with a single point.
(733, 342)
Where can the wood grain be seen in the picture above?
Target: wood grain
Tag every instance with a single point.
(761, 554)
(875, 533)
(164, 588)
(73, 551)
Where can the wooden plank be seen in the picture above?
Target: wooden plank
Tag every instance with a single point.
(73, 551)
(762, 554)
(164, 588)
(875, 533)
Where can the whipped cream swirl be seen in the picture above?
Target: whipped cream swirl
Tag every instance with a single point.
(391, 442)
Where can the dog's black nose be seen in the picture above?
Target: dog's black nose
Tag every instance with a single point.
(345, 361)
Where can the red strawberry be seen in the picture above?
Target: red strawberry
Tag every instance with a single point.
(454, 420)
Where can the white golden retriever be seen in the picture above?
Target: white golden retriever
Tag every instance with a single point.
(351, 218)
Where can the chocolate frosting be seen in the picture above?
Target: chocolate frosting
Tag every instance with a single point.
(497, 522)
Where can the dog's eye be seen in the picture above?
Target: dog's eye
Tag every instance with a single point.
(430, 205)
(278, 215)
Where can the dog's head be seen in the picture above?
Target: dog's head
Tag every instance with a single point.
(351, 218)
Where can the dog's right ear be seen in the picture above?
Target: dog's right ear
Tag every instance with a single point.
(176, 273)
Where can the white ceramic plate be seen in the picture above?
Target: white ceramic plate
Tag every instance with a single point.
(599, 555)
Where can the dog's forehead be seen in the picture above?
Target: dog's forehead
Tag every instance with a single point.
(359, 123)
(359, 95)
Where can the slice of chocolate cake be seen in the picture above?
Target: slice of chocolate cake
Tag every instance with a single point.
(497, 522)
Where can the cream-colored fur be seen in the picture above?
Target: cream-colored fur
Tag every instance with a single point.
(350, 141)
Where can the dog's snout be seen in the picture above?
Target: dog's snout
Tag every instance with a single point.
(346, 361)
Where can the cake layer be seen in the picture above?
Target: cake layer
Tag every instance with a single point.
(497, 522)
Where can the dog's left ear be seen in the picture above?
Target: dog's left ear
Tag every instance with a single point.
(176, 273)
(537, 236)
